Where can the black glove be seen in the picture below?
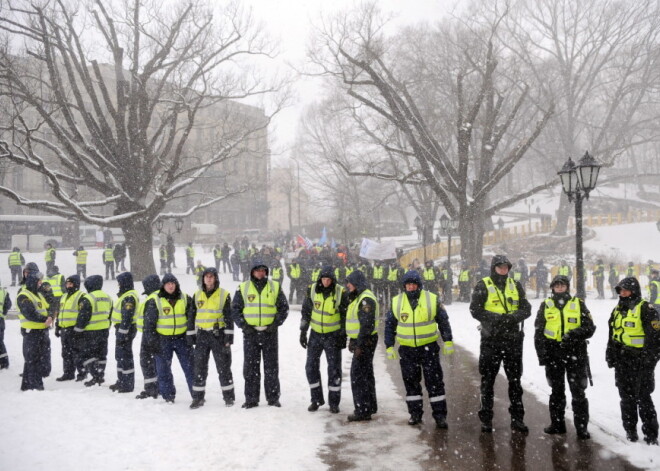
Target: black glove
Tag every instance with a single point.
(58, 331)
(272, 328)
(543, 361)
(341, 341)
(352, 345)
(248, 330)
(508, 320)
(191, 340)
(303, 339)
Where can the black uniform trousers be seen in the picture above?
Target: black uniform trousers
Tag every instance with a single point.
(635, 379)
(36, 353)
(256, 345)
(600, 287)
(363, 383)
(190, 265)
(417, 360)
(16, 274)
(317, 344)
(148, 366)
(4, 357)
(94, 353)
(463, 291)
(296, 286)
(110, 270)
(493, 353)
(81, 270)
(561, 365)
(206, 344)
(71, 360)
(226, 265)
(124, 359)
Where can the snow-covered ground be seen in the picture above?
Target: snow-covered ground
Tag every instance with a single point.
(72, 427)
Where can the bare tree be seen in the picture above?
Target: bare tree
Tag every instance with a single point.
(105, 102)
(599, 60)
(445, 99)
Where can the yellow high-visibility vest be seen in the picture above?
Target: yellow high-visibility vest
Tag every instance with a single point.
(40, 305)
(325, 311)
(116, 312)
(416, 327)
(557, 322)
(101, 310)
(259, 309)
(69, 309)
(352, 320)
(210, 309)
(627, 326)
(172, 320)
(501, 303)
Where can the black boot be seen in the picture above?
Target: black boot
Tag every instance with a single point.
(518, 425)
(441, 423)
(314, 406)
(414, 420)
(556, 428)
(631, 435)
(65, 378)
(197, 403)
(145, 394)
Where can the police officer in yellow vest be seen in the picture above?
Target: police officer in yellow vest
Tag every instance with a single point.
(394, 273)
(599, 278)
(66, 321)
(464, 283)
(362, 318)
(124, 318)
(57, 287)
(276, 272)
(296, 283)
(500, 305)
(217, 256)
(81, 262)
(416, 320)
(633, 349)
(431, 277)
(259, 307)
(378, 282)
(92, 328)
(35, 322)
(211, 330)
(15, 262)
(109, 260)
(654, 288)
(564, 269)
(165, 326)
(49, 257)
(190, 258)
(5, 305)
(151, 286)
(563, 325)
(324, 309)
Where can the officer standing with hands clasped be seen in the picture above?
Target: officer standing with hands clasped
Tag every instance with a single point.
(416, 320)
(324, 309)
(151, 286)
(563, 325)
(211, 330)
(500, 305)
(633, 349)
(362, 319)
(259, 307)
(123, 318)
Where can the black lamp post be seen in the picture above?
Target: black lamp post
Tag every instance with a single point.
(577, 181)
(448, 225)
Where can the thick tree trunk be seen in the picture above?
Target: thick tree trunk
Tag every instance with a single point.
(139, 241)
(563, 213)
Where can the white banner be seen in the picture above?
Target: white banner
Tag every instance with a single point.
(377, 250)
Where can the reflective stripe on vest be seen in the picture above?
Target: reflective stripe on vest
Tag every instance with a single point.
(40, 305)
(15, 259)
(81, 257)
(393, 274)
(139, 312)
(55, 283)
(499, 303)
(378, 273)
(464, 276)
(108, 255)
(429, 274)
(349, 270)
(627, 327)
(325, 311)
(558, 322)
(210, 309)
(416, 327)
(352, 319)
(564, 270)
(69, 309)
(116, 312)
(294, 272)
(101, 308)
(171, 320)
(259, 308)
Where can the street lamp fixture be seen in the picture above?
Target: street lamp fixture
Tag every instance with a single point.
(160, 224)
(178, 224)
(577, 181)
(448, 225)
